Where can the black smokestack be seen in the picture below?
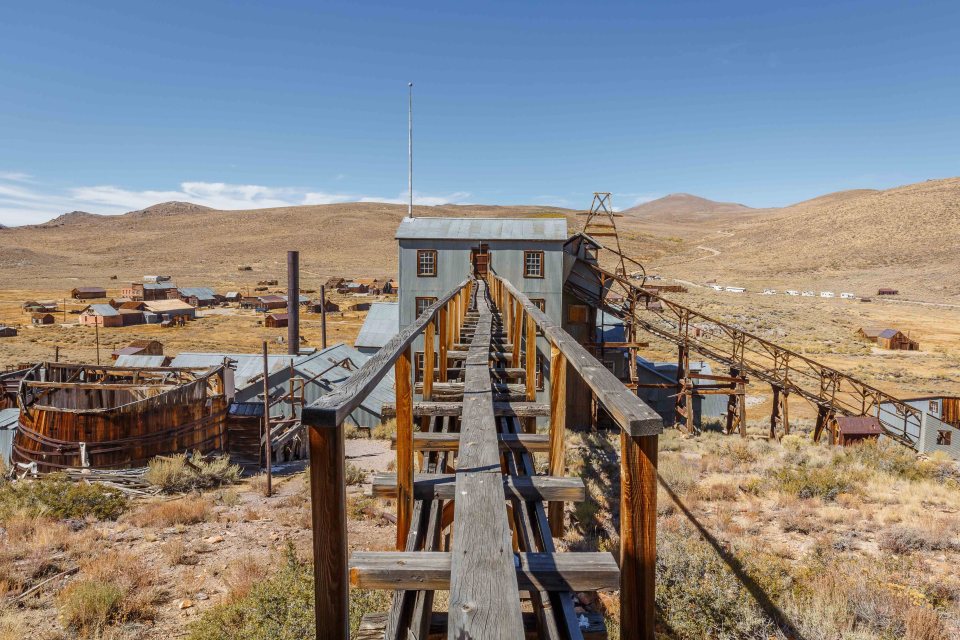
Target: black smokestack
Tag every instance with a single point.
(293, 302)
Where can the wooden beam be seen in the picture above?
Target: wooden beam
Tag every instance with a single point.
(638, 536)
(529, 442)
(442, 486)
(328, 514)
(428, 337)
(444, 343)
(372, 626)
(518, 409)
(530, 353)
(558, 424)
(431, 570)
(404, 399)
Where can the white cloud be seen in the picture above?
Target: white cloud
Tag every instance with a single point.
(15, 176)
(22, 204)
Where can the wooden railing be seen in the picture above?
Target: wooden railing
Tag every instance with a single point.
(326, 418)
(640, 427)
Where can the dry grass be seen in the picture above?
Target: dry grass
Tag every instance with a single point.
(167, 513)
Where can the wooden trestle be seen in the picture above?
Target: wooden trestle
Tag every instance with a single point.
(475, 519)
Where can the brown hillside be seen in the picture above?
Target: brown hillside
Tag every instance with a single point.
(906, 237)
(682, 206)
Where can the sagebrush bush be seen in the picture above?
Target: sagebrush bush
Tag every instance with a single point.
(826, 482)
(354, 475)
(384, 430)
(57, 497)
(172, 512)
(906, 539)
(180, 474)
(88, 606)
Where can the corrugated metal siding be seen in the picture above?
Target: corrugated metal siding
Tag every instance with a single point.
(483, 228)
(140, 361)
(8, 428)
(380, 326)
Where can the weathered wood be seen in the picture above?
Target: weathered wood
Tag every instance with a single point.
(372, 626)
(404, 403)
(444, 342)
(626, 409)
(442, 486)
(530, 442)
(428, 338)
(638, 536)
(558, 424)
(329, 518)
(333, 408)
(484, 596)
(530, 355)
(433, 570)
(519, 409)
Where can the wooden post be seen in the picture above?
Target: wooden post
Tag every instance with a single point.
(517, 336)
(507, 311)
(638, 536)
(444, 333)
(742, 398)
(96, 327)
(328, 506)
(775, 412)
(530, 355)
(428, 361)
(268, 444)
(323, 316)
(404, 400)
(785, 411)
(558, 425)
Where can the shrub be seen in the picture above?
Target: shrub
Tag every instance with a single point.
(89, 605)
(905, 539)
(171, 512)
(825, 482)
(178, 474)
(354, 475)
(385, 430)
(57, 497)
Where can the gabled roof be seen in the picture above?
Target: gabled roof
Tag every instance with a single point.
(888, 333)
(272, 298)
(548, 229)
(302, 299)
(104, 310)
(871, 332)
(379, 327)
(158, 286)
(279, 316)
(200, 293)
(161, 306)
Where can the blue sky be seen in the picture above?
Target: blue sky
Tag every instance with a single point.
(111, 106)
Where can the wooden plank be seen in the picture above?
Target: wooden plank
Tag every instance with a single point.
(530, 442)
(558, 436)
(428, 339)
(484, 595)
(442, 486)
(443, 341)
(329, 518)
(530, 355)
(333, 408)
(432, 570)
(372, 626)
(626, 409)
(519, 409)
(638, 536)
(404, 399)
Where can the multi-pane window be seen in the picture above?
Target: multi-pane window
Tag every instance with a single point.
(426, 263)
(418, 365)
(533, 264)
(423, 303)
(540, 303)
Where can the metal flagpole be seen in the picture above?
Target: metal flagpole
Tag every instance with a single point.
(410, 148)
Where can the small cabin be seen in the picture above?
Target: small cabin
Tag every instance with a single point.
(42, 319)
(896, 340)
(886, 291)
(88, 293)
(140, 348)
(277, 320)
(7, 332)
(329, 306)
(848, 430)
(266, 303)
(870, 333)
(102, 315)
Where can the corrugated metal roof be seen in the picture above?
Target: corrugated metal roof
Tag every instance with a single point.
(140, 361)
(103, 310)
(201, 293)
(859, 425)
(888, 333)
(483, 228)
(160, 306)
(9, 418)
(379, 327)
(303, 299)
(158, 286)
(272, 298)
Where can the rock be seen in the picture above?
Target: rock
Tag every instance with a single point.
(185, 604)
(202, 596)
(214, 539)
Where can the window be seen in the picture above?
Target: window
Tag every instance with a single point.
(423, 303)
(944, 438)
(934, 406)
(426, 263)
(418, 362)
(533, 264)
(590, 253)
(539, 369)
(540, 303)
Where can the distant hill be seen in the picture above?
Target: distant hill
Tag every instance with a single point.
(906, 237)
(171, 208)
(680, 205)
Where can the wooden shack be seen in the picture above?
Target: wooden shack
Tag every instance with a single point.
(847, 430)
(316, 307)
(140, 348)
(40, 319)
(886, 291)
(869, 333)
(88, 293)
(896, 340)
(268, 302)
(277, 320)
(7, 332)
(107, 417)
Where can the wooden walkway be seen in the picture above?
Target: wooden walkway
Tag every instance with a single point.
(476, 519)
